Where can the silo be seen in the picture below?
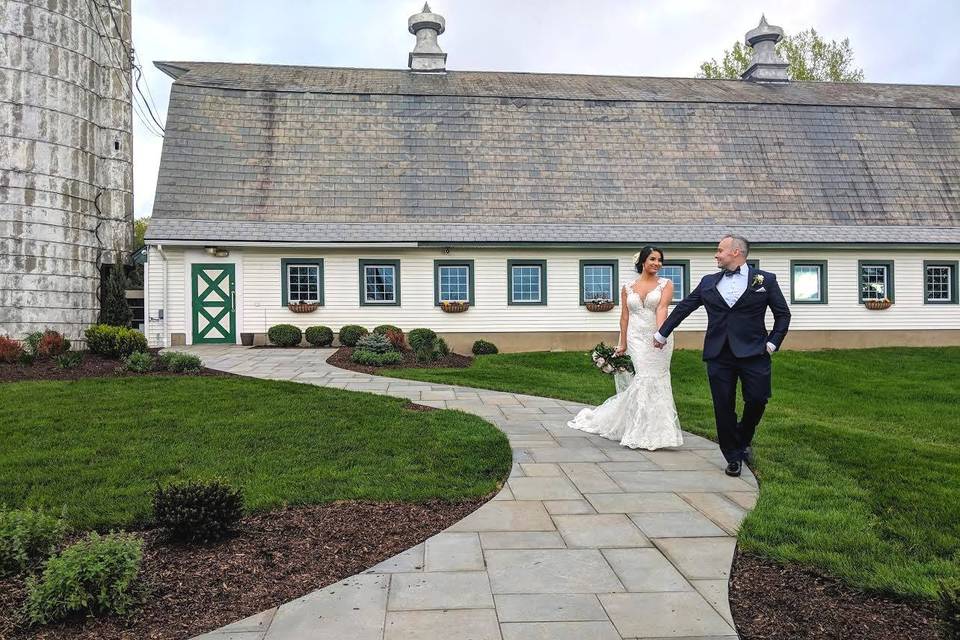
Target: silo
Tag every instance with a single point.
(66, 152)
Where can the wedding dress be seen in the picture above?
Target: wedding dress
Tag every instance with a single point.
(642, 414)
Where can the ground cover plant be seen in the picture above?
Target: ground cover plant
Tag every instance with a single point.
(858, 453)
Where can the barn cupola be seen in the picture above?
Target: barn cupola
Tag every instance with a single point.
(427, 55)
(766, 64)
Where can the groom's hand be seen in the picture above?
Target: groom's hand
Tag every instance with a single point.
(658, 341)
(771, 347)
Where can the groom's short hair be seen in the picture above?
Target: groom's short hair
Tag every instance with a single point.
(739, 242)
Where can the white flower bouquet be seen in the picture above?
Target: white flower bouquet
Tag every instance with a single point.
(605, 360)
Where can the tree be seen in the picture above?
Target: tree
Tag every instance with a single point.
(811, 58)
(139, 230)
(114, 309)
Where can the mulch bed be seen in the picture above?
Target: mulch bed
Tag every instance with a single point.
(275, 557)
(92, 366)
(341, 358)
(771, 601)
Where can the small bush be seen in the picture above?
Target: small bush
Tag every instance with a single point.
(372, 359)
(396, 338)
(950, 610)
(114, 342)
(51, 344)
(198, 511)
(422, 339)
(177, 362)
(129, 341)
(376, 343)
(441, 349)
(94, 576)
(285, 335)
(350, 333)
(384, 328)
(32, 342)
(27, 536)
(69, 360)
(140, 362)
(10, 350)
(484, 348)
(26, 358)
(319, 336)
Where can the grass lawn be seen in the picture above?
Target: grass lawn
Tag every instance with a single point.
(97, 447)
(858, 454)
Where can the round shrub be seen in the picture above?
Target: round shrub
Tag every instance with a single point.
(484, 348)
(27, 536)
(396, 338)
(285, 335)
(32, 342)
(372, 359)
(129, 341)
(375, 342)
(177, 362)
(384, 328)
(197, 511)
(350, 333)
(319, 336)
(52, 343)
(10, 350)
(114, 342)
(422, 339)
(440, 348)
(96, 575)
(139, 362)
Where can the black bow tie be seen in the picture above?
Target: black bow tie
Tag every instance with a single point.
(730, 272)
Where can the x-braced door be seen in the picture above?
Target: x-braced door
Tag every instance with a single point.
(214, 309)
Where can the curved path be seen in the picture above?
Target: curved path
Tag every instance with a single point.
(587, 539)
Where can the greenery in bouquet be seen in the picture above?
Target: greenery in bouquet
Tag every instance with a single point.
(607, 362)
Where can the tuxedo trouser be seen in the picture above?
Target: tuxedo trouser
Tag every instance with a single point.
(754, 374)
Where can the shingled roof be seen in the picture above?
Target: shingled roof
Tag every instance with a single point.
(312, 154)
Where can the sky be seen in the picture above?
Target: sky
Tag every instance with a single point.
(910, 42)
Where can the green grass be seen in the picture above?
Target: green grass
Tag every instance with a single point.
(858, 454)
(98, 447)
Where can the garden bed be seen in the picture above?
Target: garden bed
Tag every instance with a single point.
(341, 358)
(276, 556)
(92, 366)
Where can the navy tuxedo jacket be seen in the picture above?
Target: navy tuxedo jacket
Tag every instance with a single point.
(742, 325)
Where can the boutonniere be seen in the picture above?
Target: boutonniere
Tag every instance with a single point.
(757, 280)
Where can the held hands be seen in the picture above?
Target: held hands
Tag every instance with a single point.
(657, 344)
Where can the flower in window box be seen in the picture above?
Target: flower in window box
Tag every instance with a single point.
(599, 304)
(454, 306)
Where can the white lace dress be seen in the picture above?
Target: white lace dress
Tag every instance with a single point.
(642, 414)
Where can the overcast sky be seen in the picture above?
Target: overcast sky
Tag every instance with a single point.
(898, 41)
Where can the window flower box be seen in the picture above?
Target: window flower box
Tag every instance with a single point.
(303, 307)
(877, 305)
(454, 307)
(599, 305)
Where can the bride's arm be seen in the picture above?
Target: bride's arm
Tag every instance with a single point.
(665, 298)
(624, 321)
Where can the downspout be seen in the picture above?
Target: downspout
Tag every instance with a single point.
(166, 288)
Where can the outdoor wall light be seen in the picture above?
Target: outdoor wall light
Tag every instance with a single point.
(217, 252)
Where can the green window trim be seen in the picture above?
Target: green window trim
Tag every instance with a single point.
(822, 264)
(954, 270)
(754, 264)
(543, 281)
(685, 265)
(875, 263)
(452, 263)
(368, 262)
(614, 283)
(284, 277)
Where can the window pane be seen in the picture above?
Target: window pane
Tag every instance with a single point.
(675, 273)
(526, 283)
(303, 282)
(873, 281)
(597, 282)
(939, 283)
(379, 283)
(454, 283)
(806, 283)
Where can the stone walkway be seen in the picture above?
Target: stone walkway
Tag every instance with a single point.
(587, 540)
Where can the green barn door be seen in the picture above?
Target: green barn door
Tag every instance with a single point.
(214, 310)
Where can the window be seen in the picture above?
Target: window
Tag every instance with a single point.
(679, 273)
(598, 279)
(301, 279)
(876, 280)
(940, 282)
(753, 264)
(527, 281)
(452, 281)
(380, 282)
(808, 282)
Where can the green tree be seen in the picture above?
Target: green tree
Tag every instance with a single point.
(114, 309)
(139, 230)
(811, 58)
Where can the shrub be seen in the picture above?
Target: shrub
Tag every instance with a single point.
(115, 310)
(373, 359)
(139, 362)
(198, 511)
(114, 342)
(384, 328)
(32, 342)
(129, 341)
(375, 343)
(421, 339)
(51, 344)
(27, 536)
(68, 360)
(10, 350)
(484, 348)
(96, 575)
(26, 358)
(441, 349)
(177, 362)
(950, 610)
(319, 336)
(285, 335)
(397, 339)
(350, 333)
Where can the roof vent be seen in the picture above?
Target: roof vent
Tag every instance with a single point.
(427, 55)
(766, 65)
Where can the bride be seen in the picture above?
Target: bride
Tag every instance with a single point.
(642, 414)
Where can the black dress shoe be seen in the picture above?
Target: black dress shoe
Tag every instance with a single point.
(733, 469)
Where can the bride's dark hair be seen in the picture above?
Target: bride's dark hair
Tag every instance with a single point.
(644, 254)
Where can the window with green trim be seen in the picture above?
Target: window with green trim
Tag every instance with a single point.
(452, 281)
(808, 281)
(940, 282)
(301, 280)
(527, 281)
(876, 280)
(678, 271)
(598, 281)
(380, 282)
(754, 264)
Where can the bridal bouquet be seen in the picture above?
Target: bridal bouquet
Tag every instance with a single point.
(604, 359)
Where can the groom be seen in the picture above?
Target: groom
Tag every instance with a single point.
(737, 345)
